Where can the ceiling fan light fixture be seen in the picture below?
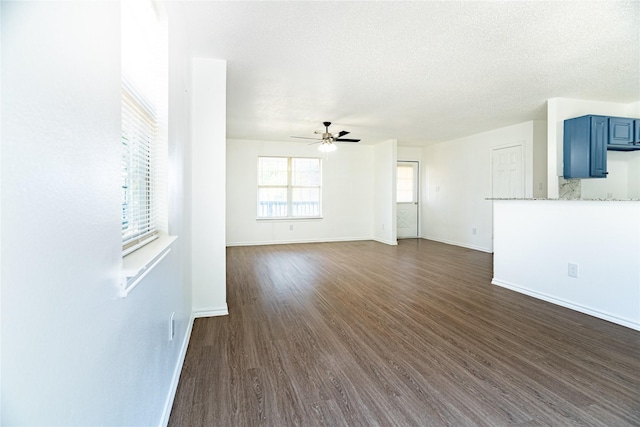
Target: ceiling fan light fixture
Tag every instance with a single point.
(327, 147)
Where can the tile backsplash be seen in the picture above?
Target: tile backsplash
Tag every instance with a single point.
(569, 188)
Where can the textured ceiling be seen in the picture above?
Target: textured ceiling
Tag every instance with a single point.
(419, 72)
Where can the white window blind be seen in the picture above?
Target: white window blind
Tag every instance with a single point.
(289, 187)
(139, 222)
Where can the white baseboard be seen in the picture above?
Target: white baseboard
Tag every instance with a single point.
(463, 245)
(288, 242)
(220, 311)
(176, 374)
(568, 304)
(387, 242)
(211, 312)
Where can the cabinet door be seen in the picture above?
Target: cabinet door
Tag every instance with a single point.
(637, 138)
(620, 131)
(598, 148)
(577, 151)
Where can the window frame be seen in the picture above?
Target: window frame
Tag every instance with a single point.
(144, 119)
(415, 181)
(290, 188)
(139, 106)
(144, 53)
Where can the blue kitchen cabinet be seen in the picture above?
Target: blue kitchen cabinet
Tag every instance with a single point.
(585, 147)
(636, 139)
(621, 134)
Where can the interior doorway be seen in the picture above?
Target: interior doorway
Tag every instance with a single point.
(407, 200)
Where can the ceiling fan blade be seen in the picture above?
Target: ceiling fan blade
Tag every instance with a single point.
(342, 133)
(304, 137)
(346, 140)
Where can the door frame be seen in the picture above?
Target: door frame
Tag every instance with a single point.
(418, 196)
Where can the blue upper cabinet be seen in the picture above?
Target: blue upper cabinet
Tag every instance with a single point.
(621, 134)
(587, 139)
(585, 147)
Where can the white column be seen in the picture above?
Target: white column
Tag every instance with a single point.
(208, 176)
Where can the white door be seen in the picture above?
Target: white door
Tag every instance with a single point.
(407, 200)
(507, 178)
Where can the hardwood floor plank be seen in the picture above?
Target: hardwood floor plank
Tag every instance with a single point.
(326, 412)
(362, 333)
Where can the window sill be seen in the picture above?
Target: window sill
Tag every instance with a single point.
(136, 265)
(286, 219)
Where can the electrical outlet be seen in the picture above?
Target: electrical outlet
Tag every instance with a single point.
(383, 226)
(573, 270)
(291, 227)
(539, 186)
(474, 231)
(172, 327)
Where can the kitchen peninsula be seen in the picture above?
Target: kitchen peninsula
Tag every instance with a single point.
(583, 254)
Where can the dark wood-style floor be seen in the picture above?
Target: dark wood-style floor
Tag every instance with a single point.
(361, 333)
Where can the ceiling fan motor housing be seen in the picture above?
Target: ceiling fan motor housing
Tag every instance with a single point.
(327, 135)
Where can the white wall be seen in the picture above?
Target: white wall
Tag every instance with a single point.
(622, 182)
(560, 109)
(179, 201)
(536, 240)
(384, 197)
(0, 212)
(347, 191)
(538, 162)
(208, 133)
(457, 180)
(409, 154)
(634, 176)
(73, 352)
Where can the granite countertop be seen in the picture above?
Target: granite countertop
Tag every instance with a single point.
(567, 199)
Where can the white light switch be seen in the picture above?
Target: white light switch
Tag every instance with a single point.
(573, 270)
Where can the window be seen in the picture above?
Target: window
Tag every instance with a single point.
(406, 183)
(289, 187)
(138, 144)
(144, 130)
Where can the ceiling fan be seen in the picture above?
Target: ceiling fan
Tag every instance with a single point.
(328, 138)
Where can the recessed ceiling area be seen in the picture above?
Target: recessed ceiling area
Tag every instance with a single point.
(419, 72)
